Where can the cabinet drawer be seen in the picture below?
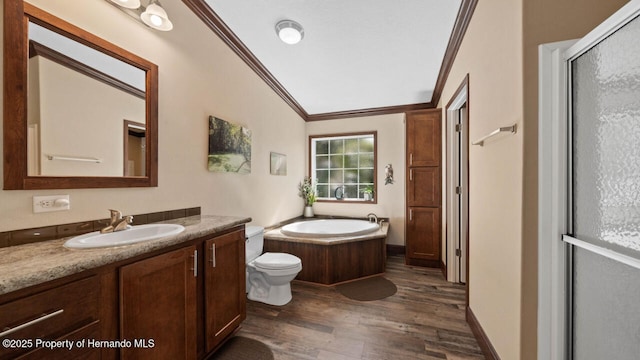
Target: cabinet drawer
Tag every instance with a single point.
(51, 314)
(82, 351)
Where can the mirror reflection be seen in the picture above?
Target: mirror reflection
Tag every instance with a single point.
(79, 102)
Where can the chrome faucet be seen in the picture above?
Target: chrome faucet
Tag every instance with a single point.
(372, 217)
(117, 222)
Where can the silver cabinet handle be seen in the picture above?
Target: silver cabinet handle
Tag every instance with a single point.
(44, 317)
(410, 214)
(213, 255)
(411, 159)
(195, 263)
(410, 174)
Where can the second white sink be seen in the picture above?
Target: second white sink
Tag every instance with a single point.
(134, 234)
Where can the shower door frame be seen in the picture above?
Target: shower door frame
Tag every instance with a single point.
(554, 195)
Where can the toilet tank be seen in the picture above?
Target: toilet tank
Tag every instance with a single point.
(254, 244)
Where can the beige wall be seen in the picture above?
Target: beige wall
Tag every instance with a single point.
(491, 54)
(391, 149)
(197, 79)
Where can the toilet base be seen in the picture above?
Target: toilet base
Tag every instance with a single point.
(277, 295)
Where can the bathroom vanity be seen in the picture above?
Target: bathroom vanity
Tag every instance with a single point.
(178, 297)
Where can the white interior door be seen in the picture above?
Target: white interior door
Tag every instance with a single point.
(462, 201)
(457, 188)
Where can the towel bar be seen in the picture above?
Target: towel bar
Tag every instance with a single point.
(512, 129)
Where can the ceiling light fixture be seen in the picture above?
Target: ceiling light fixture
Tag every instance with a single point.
(152, 14)
(155, 17)
(129, 4)
(289, 31)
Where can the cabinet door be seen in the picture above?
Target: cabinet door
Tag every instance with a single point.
(424, 138)
(225, 296)
(423, 235)
(158, 306)
(423, 187)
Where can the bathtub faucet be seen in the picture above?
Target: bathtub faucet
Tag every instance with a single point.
(372, 218)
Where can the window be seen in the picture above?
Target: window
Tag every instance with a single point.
(343, 166)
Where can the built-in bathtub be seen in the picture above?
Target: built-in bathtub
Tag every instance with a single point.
(332, 250)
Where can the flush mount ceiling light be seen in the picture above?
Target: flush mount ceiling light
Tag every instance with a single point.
(289, 31)
(149, 11)
(129, 4)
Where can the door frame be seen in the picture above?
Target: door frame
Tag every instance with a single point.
(554, 254)
(459, 99)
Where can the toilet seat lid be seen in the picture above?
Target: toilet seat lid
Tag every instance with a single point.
(277, 261)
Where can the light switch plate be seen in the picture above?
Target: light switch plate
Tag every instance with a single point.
(51, 203)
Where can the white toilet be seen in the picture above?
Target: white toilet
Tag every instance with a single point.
(269, 275)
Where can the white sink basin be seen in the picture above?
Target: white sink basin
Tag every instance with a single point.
(132, 235)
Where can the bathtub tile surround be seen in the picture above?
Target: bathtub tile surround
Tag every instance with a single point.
(27, 236)
(277, 234)
(54, 261)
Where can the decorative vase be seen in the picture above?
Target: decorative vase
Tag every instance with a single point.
(308, 211)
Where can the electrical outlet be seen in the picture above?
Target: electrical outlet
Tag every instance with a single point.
(51, 203)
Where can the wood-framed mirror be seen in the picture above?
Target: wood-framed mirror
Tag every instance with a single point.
(71, 136)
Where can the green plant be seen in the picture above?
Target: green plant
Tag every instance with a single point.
(307, 191)
(367, 190)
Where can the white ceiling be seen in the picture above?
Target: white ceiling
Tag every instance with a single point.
(356, 54)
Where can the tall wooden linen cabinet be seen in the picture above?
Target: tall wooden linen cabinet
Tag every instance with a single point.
(423, 221)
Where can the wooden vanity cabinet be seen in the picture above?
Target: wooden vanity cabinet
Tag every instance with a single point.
(224, 287)
(182, 303)
(188, 300)
(158, 306)
(67, 312)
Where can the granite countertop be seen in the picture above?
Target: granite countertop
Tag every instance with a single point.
(31, 264)
(276, 234)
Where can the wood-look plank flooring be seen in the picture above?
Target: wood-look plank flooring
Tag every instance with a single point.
(425, 319)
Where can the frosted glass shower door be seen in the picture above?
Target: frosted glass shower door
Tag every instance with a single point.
(604, 197)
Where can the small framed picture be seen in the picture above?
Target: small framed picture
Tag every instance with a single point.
(278, 164)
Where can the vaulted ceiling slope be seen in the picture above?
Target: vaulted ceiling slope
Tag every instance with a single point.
(357, 57)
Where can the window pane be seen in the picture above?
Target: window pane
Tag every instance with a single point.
(351, 176)
(366, 175)
(337, 147)
(343, 161)
(322, 147)
(366, 144)
(351, 146)
(351, 161)
(366, 160)
(322, 162)
(322, 191)
(351, 191)
(322, 176)
(337, 161)
(336, 176)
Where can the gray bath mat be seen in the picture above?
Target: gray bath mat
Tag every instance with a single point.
(374, 288)
(242, 348)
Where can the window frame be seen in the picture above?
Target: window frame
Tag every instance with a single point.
(312, 174)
